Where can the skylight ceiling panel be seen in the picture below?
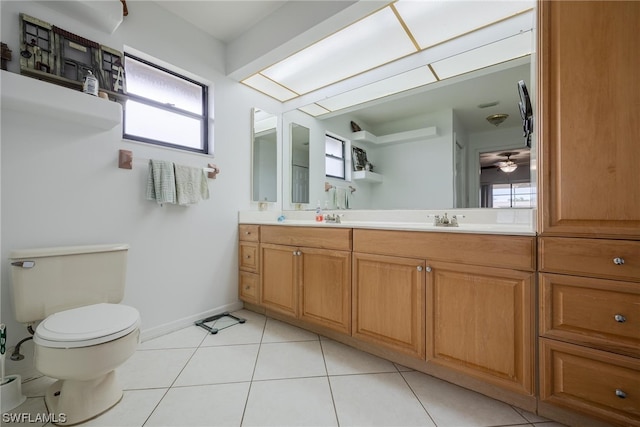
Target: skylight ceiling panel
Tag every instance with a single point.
(376, 40)
(268, 87)
(314, 110)
(398, 83)
(433, 22)
(494, 53)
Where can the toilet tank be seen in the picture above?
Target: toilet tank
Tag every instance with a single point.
(47, 280)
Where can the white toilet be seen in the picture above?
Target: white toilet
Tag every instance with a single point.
(83, 334)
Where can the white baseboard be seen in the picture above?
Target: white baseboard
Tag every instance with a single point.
(158, 331)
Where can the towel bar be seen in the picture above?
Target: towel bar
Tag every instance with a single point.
(125, 161)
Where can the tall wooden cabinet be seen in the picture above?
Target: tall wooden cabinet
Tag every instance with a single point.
(306, 274)
(589, 118)
(589, 210)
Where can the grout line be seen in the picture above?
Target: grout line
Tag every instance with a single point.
(246, 402)
(333, 400)
(416, 396)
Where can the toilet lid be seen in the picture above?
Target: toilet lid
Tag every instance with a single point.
(86, 326)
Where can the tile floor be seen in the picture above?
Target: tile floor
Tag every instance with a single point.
(267, 373)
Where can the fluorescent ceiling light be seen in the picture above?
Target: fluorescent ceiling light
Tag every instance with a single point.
(268, 87)
(485, 56)
(314, 110)
(433, 22)
(399, 83)
(366, 44)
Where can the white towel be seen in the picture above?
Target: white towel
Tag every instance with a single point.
(191, 185)
(161, 182)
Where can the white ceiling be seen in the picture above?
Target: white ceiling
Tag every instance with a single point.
(224, 20)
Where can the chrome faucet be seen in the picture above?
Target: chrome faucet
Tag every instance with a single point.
(444, 221)
(332, 218)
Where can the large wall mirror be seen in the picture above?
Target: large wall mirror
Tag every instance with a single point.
(443, 145)
(264, 165)
(299, 163)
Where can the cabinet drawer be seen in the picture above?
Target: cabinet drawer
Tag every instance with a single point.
(591, 257)
(514, 252)
(249, 232)
(590, 381)
(248, 286)
(312, 237)
(596, 312)
(248, 257)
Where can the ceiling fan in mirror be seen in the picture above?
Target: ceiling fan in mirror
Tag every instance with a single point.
(508, 165)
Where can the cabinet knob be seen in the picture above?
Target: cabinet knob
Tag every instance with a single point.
(620, 318)
(248, 257)
(618, 261)
(428, 269)
(298, 253)
(246, 288)
(621, 394)
(419, 268)
(247, 232)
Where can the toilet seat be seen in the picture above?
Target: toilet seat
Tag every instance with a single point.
(86, 326)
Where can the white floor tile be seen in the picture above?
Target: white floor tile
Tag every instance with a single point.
(452, 406)
(153, 368)
(190, 337)
(208, 405)
(132, 411)
(217, 365)
(292, 402)
(290, 360)
(277, 331)
(531, 417)
(342, 359)
(376, 400)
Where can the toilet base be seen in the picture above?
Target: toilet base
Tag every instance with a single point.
(72, 401)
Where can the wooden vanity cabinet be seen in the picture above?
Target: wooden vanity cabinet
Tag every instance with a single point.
(248, 262)
(306, 274)
(465, 302)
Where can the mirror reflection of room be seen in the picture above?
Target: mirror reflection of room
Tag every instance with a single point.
(265, 157)
(299, 163)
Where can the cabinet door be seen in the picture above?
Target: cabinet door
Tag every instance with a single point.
(480, 322)
(589, 118)
(326, 288)
(389, 302)
(279, 290)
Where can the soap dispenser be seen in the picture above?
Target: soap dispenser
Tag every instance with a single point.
(319, 217)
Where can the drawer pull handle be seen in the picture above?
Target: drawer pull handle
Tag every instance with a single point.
(620, 318)
(621, 394)
(618, 261)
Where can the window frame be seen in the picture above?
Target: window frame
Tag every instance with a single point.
(343, 157)
(204, 117)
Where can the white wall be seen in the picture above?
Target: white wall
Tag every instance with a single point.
(61, 184)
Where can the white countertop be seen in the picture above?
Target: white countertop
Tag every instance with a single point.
(479, 221)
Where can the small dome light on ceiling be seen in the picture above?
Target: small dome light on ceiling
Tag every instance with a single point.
(496, 119)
